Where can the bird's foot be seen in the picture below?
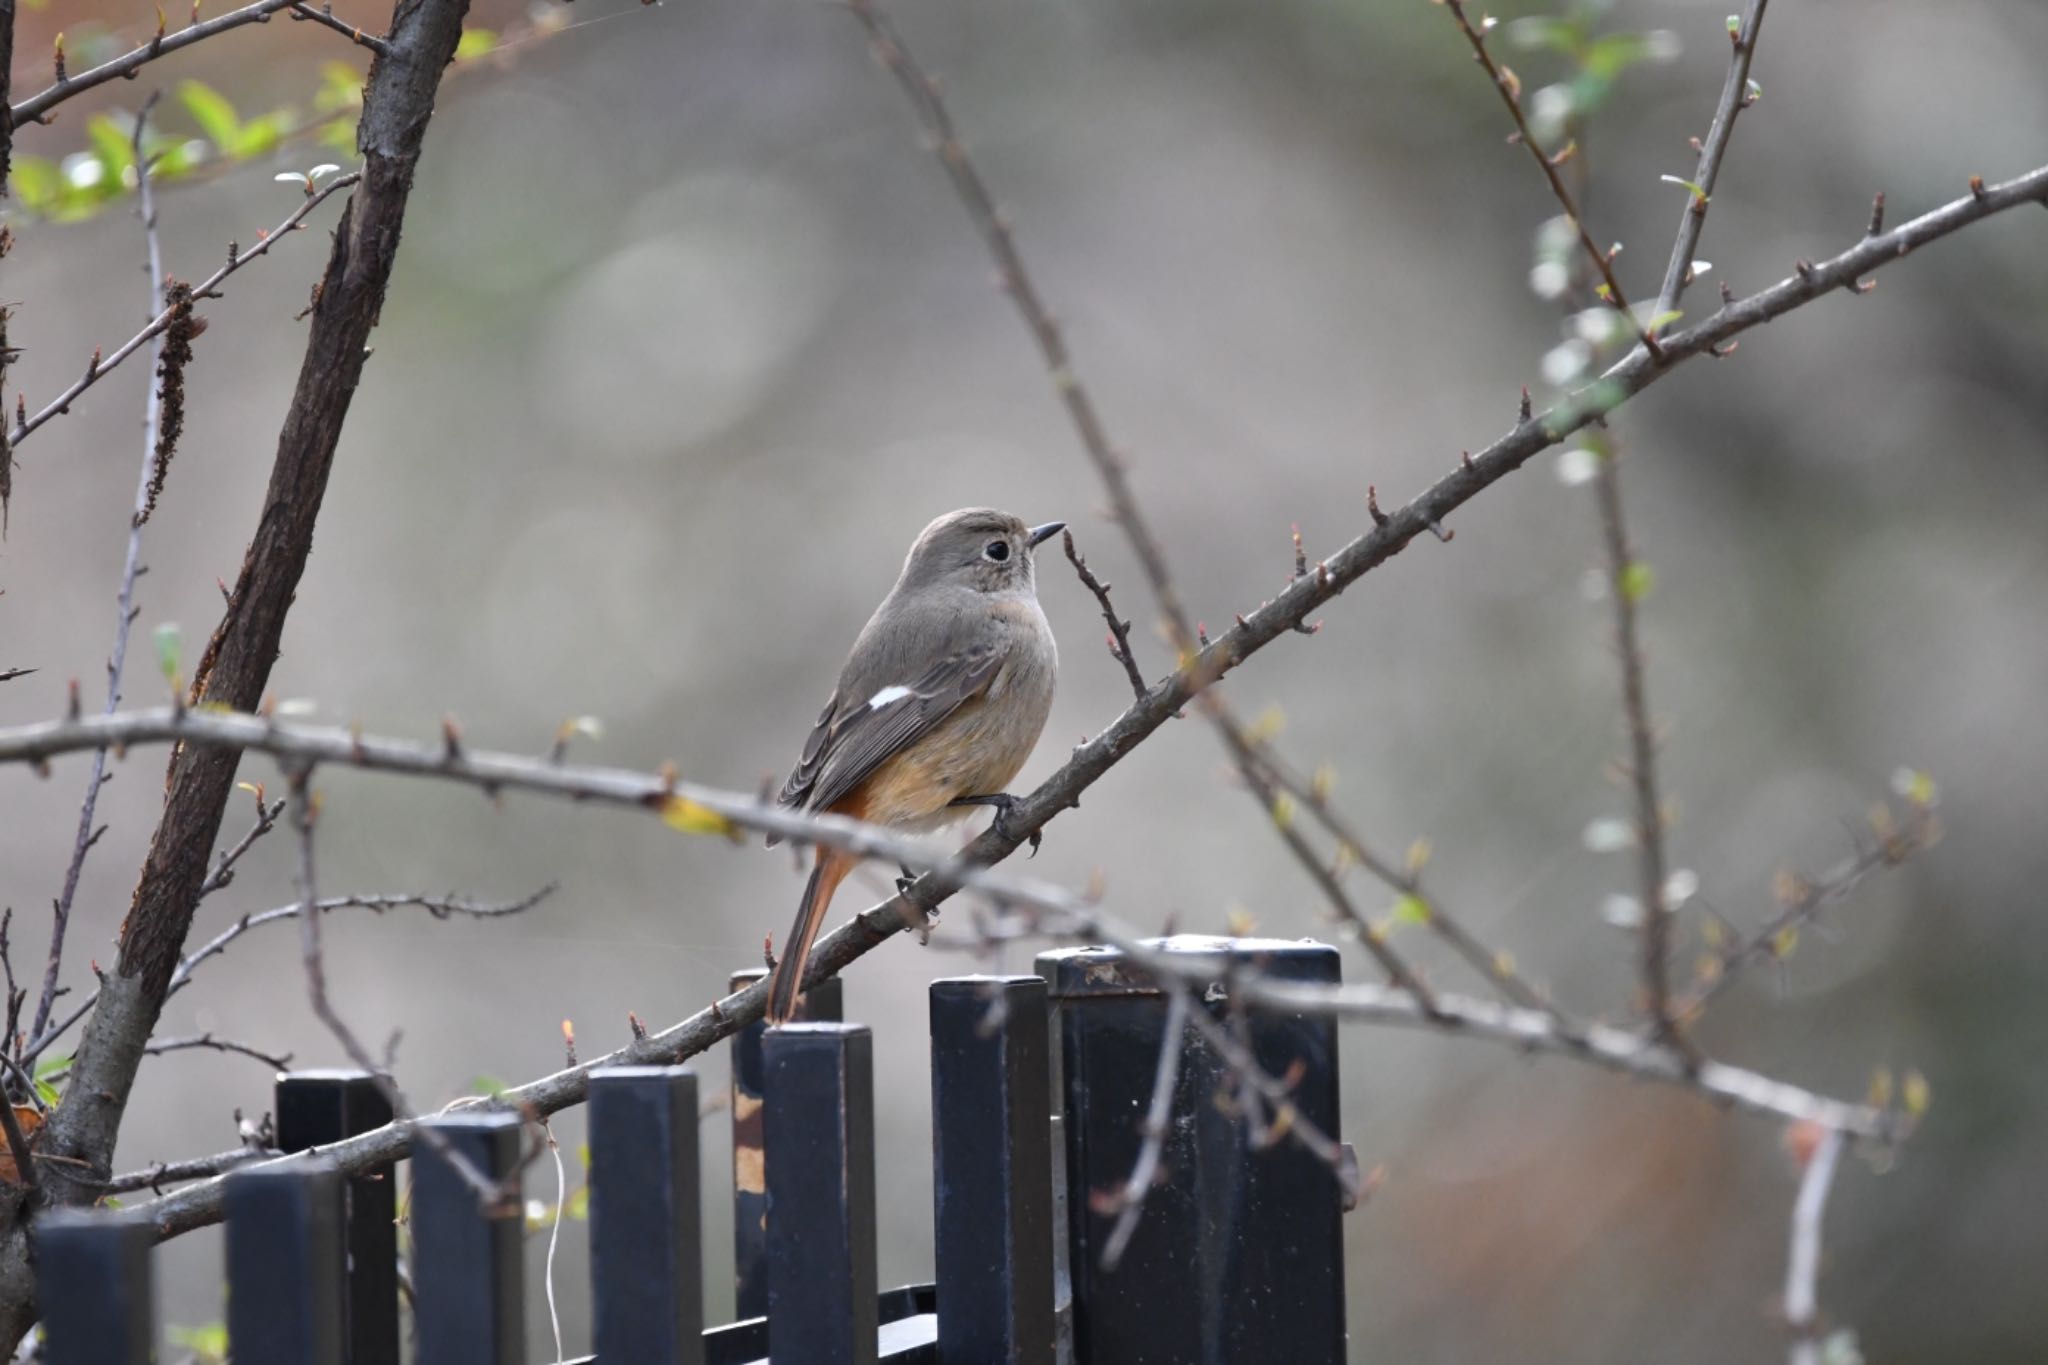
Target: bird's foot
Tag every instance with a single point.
(1005, 805)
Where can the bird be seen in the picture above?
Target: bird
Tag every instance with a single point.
(940, 703)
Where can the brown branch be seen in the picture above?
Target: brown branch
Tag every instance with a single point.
(36, 108)
(97, 368)
(196, 1168)
(1119, 629)
(324, 16)
(1624, 587)
(234, 671)
(155, 1047)
(1524, 1030)
(6, 162)
(1734, 99)
(224, 870)
(439, 907)
(1508, 87)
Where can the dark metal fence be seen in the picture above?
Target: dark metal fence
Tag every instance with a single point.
(1039, 1086)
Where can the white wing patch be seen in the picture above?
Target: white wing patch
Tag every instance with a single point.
(887, 695)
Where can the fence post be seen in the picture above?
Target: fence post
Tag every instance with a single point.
(992, 1186)
(1239, 1256)
(317, 1109)
(820, 1130)
(468, 1305)
(821, 1003)
(94, 1287)
(286, 1284)
(646, 1252)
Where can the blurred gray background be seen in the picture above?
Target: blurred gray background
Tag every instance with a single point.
(688, 339)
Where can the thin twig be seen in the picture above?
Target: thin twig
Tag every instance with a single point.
(124, 596)
(1802, 901)
(1119, 629)
(440, 907)
(1490, 964)
(97, 370)
(36, 107)
(224, 869)
(1802, 1271)
(994, 227)
(155, 1047)
(1261, 781)
(1623, 584)
(301, 10)
(1734, 99)
(1505, 84)
(304, 816)
(1128, 1200)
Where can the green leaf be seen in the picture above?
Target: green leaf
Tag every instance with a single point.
(1638, 580)
(1617, 52)
(209, 1343)
(341, 87)
(1410, 908)
(475, 42)
(112, 144)
(1697, 192)
(170, 649)
(1544, 33)
(488, 1085)
(260, 135)
(212, 112)
(50, 1066)
(36, 184)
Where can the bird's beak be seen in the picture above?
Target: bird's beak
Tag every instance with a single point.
(1040, 534)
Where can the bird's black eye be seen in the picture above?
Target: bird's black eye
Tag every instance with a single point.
(998, 550)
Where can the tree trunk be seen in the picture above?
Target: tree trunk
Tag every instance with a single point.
(398, 102)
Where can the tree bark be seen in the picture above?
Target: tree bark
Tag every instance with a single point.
(398, 102)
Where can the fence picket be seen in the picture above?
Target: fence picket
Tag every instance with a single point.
(469, 1303)
(286, 1276)
(646, 1258)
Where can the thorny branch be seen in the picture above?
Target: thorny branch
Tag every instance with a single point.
(1735, 98)
(1119, 636)
(97, 368)
(36, 108)
(941, 877)
(197, 1168)
(1526, 1030)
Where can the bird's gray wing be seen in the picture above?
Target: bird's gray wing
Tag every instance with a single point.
(856, 734)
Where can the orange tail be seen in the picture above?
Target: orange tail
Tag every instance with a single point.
(831, 869)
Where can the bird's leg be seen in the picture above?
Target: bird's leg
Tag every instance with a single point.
(1004, 804)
